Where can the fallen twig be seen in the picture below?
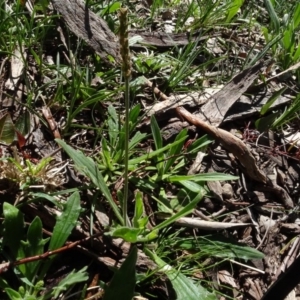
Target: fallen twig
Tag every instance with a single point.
(229, 142)
(5, 266)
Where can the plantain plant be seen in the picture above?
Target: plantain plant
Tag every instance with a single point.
(21, 241)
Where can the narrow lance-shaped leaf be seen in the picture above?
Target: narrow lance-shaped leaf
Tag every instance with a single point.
(113, 126)
(23, 123)
(128, 234)
(296, 15)
(158, 145)
(233, 9)
(7, 129)
(66, 222)
(64, 225)
(273, 15)
(175, 150)
(106, 154)
(183, 212)
(152, 154)
(219, 246)
(71, 279)
(184, 287)
(123, 282)
(88, 167)
(34, 246)
(13, 229)
(138, 209)
(272, 99)
(202, 177)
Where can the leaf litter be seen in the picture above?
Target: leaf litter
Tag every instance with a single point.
(268, 167)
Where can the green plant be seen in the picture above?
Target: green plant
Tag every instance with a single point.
(111, 158)
(117, 289)
(184, 287)
(74, 91)
(24, 173)
(59, 71)
(207, 14)
(274, 119)
(182, 66)
(164, 173)
(287, 50)
(18, 244)
(213, 248)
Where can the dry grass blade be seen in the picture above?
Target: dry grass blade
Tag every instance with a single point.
(208, 225)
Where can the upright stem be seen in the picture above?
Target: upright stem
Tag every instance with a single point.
(126, 156)
(126, 68)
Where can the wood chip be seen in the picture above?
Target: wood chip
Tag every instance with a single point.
(218, 105)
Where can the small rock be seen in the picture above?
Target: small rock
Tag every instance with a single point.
(227, 191)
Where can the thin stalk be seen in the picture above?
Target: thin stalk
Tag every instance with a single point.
(126, 154)
(126, 68)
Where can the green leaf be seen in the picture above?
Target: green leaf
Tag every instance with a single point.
(41, 5)
(273, 16)
(150, 236)
(7, 129)
(105, 153)
(71, 279)
(23, 123)
(12, 294)
(101, 95)
(289, 114)
(111, 8)
(134, 161)
(265, 123)
(66, 222)
(113, 125)
(186, 210)
(133, 116)
(35, 236)
(3, 283)
(136, 139)
(123, 282)
(193, 186)
(138, 209)
(296, 15)
(296, 55)
(142, 222)
(219, 246)
(270, 101)
(64, 225)
(202, 177)
(273, 41)
(184, 287)
(13, 229)
(233, 9)
(175, 151)
(158, 145)
(34, 246)
(288, 38)
(39, 195)
(128, 234)
(156, 133)
(87, 166)
(143, 183)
